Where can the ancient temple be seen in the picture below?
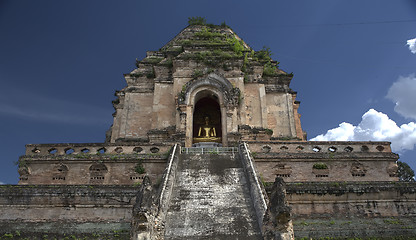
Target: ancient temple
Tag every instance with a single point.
(205, 73)
(207, 143)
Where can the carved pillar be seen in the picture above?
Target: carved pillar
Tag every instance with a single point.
(224, 125)
(230, 123)
(182, 118)
(188, 126)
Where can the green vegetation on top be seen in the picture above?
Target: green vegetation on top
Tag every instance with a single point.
(196, 21)
(207, 33)
(263, 55)
(226, 47)
(203, 21)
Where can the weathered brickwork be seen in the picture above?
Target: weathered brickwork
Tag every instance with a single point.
(98, 163)
(324, 161)
(34, 211)
(346, 210)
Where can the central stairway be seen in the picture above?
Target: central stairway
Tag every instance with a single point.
(210, 200)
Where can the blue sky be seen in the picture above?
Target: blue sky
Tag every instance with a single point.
(61, 61)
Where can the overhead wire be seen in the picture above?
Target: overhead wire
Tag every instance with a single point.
(347, 24)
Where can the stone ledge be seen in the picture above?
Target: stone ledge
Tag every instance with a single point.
(97, 195)
(64, 230)
(340, 188)
(319, 146)
(302, 156)
(71, 149)
(350, 228)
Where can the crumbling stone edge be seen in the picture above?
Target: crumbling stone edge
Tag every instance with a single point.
(152, 203)
(274, 214)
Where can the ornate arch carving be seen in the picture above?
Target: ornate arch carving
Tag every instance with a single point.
(229, 94)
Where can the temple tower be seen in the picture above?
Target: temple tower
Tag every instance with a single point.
(206, 72)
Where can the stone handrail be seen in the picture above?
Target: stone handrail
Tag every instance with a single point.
(149, 217)
(319, 147)
(93, 148)
(169, 176)
(257, 191)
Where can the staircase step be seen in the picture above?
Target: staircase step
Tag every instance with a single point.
(210, 200)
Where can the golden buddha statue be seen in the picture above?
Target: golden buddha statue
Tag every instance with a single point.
(207, 133)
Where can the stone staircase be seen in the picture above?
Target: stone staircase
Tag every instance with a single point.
(210, 200)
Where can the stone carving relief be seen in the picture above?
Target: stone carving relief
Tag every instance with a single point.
(59, 172)
(97, 172)
(358, 169)
(282, 170)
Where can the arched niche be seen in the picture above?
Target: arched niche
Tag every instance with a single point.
(213, 87)
(206, 123)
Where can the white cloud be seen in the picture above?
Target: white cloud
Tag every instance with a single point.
(2, 183)
(412, 45)
(344, 132)
(403, 94)
(374, 126)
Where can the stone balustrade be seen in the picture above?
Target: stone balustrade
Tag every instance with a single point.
(62, 149)
(319, 147)
(254, 146)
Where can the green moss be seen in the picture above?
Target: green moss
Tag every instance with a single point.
(335, 184)
(153, 60)
(270, 70)
(221, 54)
(175, 50)
(246, 78)
(151, 74)
(139, 168)
(197, 73)
(224, 25)
(245, 62)
(320, 166)
(21, 163)
(168, 63)
(264, 55)
(185, 42)
(268, 131)
(236, 45)
(7, 235)
(207, 33)
(393, 221)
